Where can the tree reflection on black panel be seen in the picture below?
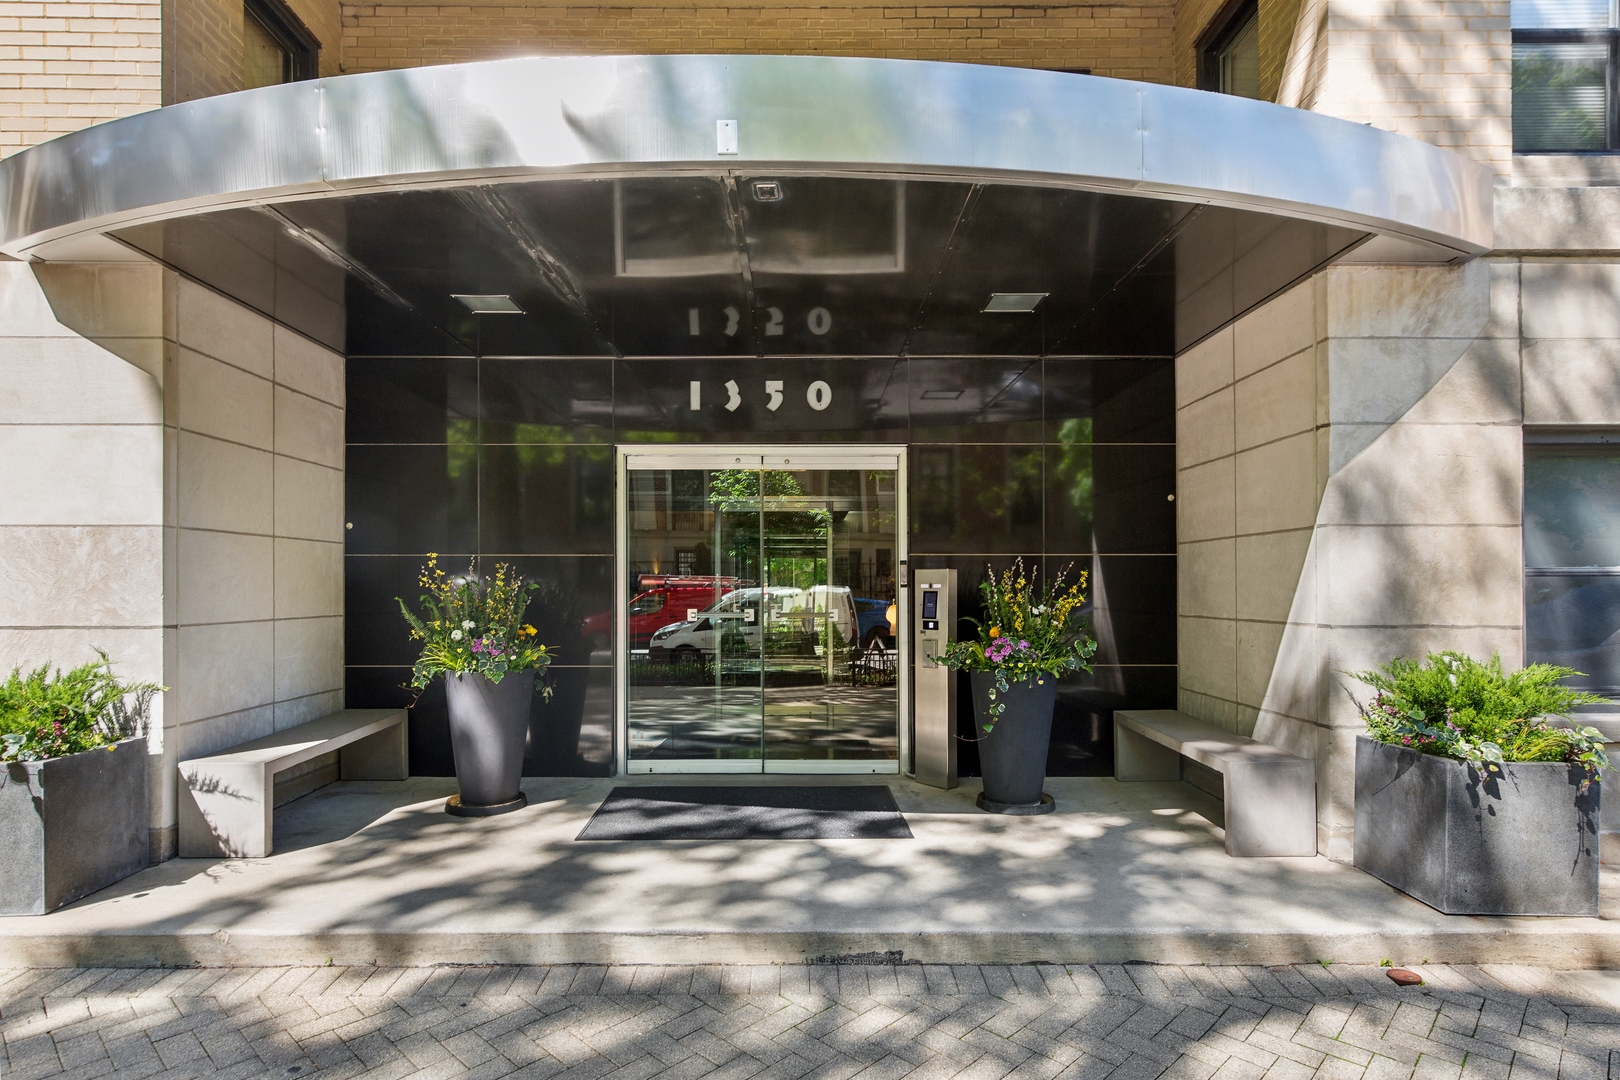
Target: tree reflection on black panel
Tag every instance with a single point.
(395, 400)
(975, 498)
(572, 589)
(572, 734)
(861, 399)
(540, 499)
(546, 401)
(1071, 497)
(412, 498)
(975, 400)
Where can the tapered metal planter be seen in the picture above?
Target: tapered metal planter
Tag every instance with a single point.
(489, 723)
(71, 825)
(1012, 757)
(1520, 842)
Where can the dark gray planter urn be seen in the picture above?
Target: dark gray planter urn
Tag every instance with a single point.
(71, 825)
(489, 725)
(1012, 757)
(1522, 842)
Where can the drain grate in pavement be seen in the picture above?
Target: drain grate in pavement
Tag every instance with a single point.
(867, 812)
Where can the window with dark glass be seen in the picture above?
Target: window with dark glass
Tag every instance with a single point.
(1564, 54)
(1572, 555)
(276, 47)
(1229, 52)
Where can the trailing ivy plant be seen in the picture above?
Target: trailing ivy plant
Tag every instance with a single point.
(1029, 631)
(1451, 705)
(46, 713)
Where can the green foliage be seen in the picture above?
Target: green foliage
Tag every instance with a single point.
(1028, 632)
(50, 714)
(1451, 705)
(468, 624)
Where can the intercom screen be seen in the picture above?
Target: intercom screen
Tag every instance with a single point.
(930, 604)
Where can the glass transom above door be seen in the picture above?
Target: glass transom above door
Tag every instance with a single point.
(760, 626)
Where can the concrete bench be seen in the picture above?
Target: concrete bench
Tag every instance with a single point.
(1270, 794)
(227, 799)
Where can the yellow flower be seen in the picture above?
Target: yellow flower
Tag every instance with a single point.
(995, 631)
(529, 631)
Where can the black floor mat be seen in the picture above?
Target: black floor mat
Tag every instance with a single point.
(748, 813)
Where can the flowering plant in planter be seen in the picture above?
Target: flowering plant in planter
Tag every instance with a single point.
(1451, 705)
(48, 714)
(1029, 631)
(473, 625)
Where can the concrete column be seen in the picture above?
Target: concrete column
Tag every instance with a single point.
(1349, 493)
(82, 493)
(174, 495)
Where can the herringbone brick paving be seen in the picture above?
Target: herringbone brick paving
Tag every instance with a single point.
(827, 1022)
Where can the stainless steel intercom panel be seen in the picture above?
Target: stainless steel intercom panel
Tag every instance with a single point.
(934, 686)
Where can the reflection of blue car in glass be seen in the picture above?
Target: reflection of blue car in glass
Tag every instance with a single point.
(872, 619)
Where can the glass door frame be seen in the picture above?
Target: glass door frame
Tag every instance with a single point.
(772, 456)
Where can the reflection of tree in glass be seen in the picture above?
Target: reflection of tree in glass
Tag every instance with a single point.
(1004, 482)
(1559, 100)
(461, 455)
(1074, 463)
(1573, 496)
(736, 493)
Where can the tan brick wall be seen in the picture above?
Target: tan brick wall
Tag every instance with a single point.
(1277, 19)
(66, 66)
(1124, 41)
(1437, 70)
(202, 49)
(324, 19)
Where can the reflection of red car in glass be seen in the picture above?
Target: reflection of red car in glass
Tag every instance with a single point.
(663, 599)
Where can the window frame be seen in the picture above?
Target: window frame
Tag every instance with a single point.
(1611, 37)
(1603, 441)
(301, 49)
(1223, 29)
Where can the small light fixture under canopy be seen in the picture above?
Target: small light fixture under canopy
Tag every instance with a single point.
(489, 304)
(1017, 303)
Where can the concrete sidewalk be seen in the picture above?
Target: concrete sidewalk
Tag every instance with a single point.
(376, 873)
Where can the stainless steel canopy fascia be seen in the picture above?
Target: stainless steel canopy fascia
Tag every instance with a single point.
(596, 116)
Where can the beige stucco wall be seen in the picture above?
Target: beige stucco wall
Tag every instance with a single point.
(187, 456)
(1436, 70)
(1350, 485)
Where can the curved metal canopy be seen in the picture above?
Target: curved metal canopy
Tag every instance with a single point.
(596, 116)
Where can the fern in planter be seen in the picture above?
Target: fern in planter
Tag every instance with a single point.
(51, 714)
(1451, 705)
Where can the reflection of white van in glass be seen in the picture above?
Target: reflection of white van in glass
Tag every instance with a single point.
(799, 615)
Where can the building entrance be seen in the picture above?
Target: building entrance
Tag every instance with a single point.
(759, 624)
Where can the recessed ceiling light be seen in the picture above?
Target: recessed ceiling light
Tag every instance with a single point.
(1015, 302)
(489, 304)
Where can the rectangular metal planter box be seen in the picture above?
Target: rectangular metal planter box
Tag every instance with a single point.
(71, 825)
(1522, 842)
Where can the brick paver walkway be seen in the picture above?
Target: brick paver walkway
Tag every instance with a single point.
(875, 1022)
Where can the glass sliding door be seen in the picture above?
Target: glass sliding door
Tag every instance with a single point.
(760, 624)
